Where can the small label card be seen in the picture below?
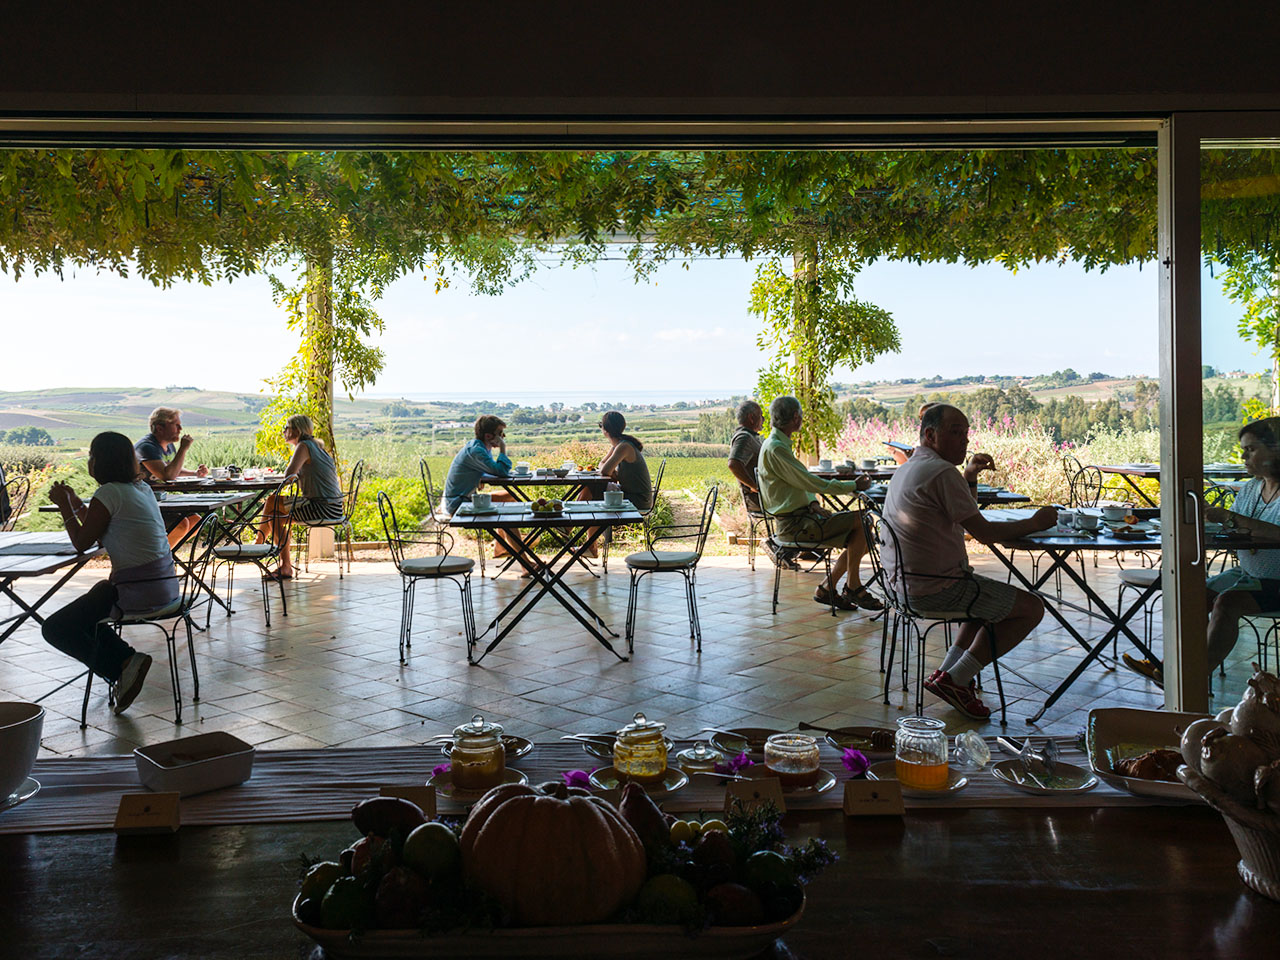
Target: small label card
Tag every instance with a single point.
(754, 793)
(141, 813)
(873, 798)
(424, 797)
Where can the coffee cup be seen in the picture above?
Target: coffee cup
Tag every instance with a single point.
(1087, 521)
(824, 464)
(867, 463)
(481, 501)
(1066, 518)
(613, 498)
(521, 469)
(1115, 512)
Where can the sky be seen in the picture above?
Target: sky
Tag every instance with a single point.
(686, 332)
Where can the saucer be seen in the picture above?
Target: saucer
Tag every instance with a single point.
(514, 747)
(444, 784)
(1065, 780)
(887, 770)
(738, 739)
(826, 780)
(607, 778)
(26, 790)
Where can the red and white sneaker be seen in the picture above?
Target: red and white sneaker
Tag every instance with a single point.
(964, 699)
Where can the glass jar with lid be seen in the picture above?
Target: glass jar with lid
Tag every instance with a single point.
(640, 749)
(701, 756)
(794, 759)
(920, 753)
(477, 760)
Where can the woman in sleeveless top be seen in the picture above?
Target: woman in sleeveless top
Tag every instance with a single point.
(624, 463)
(124, 517)
(318, 485)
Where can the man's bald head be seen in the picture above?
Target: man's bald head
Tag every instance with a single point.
(937, 415)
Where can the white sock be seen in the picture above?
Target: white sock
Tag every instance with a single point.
(953, 656)
(965, 669)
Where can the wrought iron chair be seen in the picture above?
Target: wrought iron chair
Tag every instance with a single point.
(879, 532)
(437, 522)
(166, 619)
(14, 501)
(234, 550)
(442, 566)
(340, 525)
(607, 539)
(683, 562)
(795, 546)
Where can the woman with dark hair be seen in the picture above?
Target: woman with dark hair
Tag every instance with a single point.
(123, 516)
(624, 462)
(1254, 586)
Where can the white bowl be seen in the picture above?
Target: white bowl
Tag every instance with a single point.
(20, 728)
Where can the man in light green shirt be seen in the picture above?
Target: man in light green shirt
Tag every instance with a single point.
(789, 491)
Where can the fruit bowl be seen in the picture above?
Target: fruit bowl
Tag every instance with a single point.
(589, 940)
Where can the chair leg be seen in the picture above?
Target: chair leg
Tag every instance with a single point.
(995, 668)
(468, 617)
(893, 646)
(630, 629)
(831, 587)
(266, 593)
(171, 642)
(777, 582)
(404, 614)
(751, 546)
(195, 671)
(695, 628)
(884, 637)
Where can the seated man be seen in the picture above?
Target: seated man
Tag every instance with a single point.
(161, 462)
(473, 462)
(787, 490)
(744, 455)
(930, 506)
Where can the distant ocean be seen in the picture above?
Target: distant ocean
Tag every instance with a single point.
(570, 398)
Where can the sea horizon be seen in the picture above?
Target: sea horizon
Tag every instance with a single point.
(570, 398)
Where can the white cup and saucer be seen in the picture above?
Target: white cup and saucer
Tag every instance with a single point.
(481, 502)
(613, 499)
(867, 463)
(521, 469)
(1087, 521)
(825, 466)
(1115, 512)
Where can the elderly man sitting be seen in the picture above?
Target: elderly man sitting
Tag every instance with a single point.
(744, 460)
(788, 490)
(930, 507)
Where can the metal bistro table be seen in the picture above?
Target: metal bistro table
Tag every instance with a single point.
(522, 528)
(36, 555)
(523, 486)
(1151, 471)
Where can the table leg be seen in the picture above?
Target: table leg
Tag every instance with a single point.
(29, 611)
(1138, 490)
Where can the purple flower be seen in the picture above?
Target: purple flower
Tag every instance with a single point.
(855, 761)
(437, 771)
(578, 778)
(735, 764)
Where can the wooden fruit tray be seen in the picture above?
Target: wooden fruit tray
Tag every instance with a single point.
(609, 941)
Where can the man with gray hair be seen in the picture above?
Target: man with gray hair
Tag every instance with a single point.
(744, 456)
(789, 491)
(156, 452)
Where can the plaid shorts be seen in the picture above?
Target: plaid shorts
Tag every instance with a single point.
(976, 596)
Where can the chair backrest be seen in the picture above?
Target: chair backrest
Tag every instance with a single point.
(1071, 465)
(871, 532)
(708, 514)
(657, 487)
(353, 491)
(199, 544)
(286, 490)
(15, 498)
(1217, 495)
(1086, 487)
(391, 528)
(430, 490)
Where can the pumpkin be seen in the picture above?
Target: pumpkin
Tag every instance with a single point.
(552, 855)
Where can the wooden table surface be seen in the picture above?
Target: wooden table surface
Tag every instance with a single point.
(983, 884)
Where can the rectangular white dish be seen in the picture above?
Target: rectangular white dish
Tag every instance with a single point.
(191, 765)
(1114, 733)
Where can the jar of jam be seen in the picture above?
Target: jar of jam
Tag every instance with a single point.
(793, 758)
(477, 759)
(701, 756)
(920, 753)
(640, 750)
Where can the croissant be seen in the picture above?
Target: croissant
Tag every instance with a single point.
(1152, 765)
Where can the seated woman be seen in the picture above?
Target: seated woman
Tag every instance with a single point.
(320, 492)
(624, 463)
(1255, 586)
(124, 517)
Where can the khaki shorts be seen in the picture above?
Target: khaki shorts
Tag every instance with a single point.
(976, 596)
(811, 529)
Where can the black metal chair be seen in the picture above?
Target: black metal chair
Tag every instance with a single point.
(796, 546)
(683, 562)
(340, 525)
(908, 617)
(607, 539)
(442, 566)
(233, 550)
(201, 543)
(16, 492)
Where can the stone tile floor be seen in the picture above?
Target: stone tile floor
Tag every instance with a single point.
(328, 673)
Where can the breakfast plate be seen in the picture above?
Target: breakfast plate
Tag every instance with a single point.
(1065, 780)
(739, 739)
(888, 770)
(826, 780)
(443, 783)
(608, 778)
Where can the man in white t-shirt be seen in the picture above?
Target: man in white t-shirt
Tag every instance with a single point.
(930, 506)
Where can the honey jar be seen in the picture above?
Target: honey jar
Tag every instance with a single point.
(477, 759)
(640, 750)
(794, 759)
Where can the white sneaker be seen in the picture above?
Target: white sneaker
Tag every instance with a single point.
(132, 674)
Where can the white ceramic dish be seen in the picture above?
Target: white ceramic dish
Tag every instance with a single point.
(1067, 779)
(20, 727)
(887, 770)
(191, 765)
(443, 783)
(607, 778)
(1115, 733)
(26, 790)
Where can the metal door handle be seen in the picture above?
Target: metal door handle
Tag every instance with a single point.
(1198, 521)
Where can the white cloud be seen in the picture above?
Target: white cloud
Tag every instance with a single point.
(689, 334)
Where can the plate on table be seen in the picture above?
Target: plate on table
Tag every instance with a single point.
(888, 770)
(443, 783)
(27, 789)
(860, 738)
(514, 747)
(826, 780)
(1117, 733)
(620, 508)
(607, 778)
(602, 749)
(739, 739)
(1066, 778)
